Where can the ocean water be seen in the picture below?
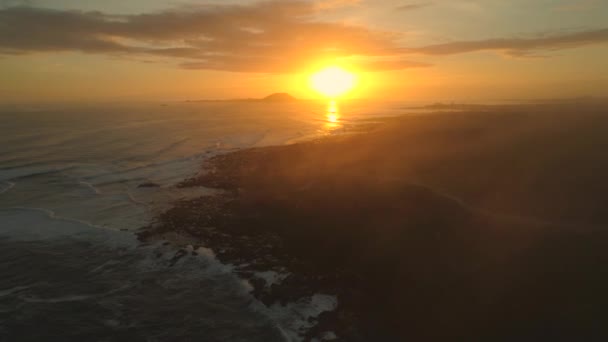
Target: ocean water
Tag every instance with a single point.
(70, 202)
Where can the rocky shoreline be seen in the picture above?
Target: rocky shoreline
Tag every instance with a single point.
(216, 222)
(286, 229)
(252, 254)
(348, 216)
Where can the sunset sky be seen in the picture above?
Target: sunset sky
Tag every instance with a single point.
(75, 50)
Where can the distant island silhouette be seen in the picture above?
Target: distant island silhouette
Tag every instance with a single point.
(279, 97)
(272, 98)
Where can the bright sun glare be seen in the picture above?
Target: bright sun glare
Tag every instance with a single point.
(333, 81)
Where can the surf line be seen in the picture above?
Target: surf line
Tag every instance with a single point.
(10, 186)
(53, 216)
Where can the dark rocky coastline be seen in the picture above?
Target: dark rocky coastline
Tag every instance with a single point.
(368, 218)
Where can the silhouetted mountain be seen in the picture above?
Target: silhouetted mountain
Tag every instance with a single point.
(279, 97)
(276, 97)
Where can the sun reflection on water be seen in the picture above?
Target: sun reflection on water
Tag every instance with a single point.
(332, 116)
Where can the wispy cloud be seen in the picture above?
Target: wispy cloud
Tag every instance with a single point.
(272, 36)
(518, 47)
(264, 37)
(413, 6)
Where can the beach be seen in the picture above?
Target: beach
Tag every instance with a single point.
(476, 224)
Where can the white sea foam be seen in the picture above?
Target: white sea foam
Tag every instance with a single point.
(95, 190)
(20, 173)
(200, 263)
(134, 200)
(294, 319)
(72, 298)
(9, 185)
(53, 216)
(247, 285)
(327, 336)
(206, 252)
(10, 291)
(103, 266)
(271, 277)
(40, 224)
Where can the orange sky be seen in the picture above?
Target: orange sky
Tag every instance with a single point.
(65, 50)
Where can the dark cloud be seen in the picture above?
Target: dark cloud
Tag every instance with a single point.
(412, 7)
(272, 36)
(518, 47)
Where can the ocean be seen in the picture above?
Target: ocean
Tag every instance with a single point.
(71, 199)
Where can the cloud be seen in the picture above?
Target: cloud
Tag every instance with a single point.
(271, 36)
(12, 3)
(394, 64)
(264, 37)
(330, 4)
(414, 6)
(517, 47)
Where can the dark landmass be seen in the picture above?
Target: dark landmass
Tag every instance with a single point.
(473, 226)
(557, 105)
(272, 98)
(279, 97)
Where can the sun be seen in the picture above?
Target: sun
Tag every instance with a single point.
(333, 81)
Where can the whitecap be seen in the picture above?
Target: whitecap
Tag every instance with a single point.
(9, 185)
(10, 291)
(209, 253)
(27, 172)
(271, 277)
(72, 298)
(95, 190)
(296, 318)
(19, 225)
